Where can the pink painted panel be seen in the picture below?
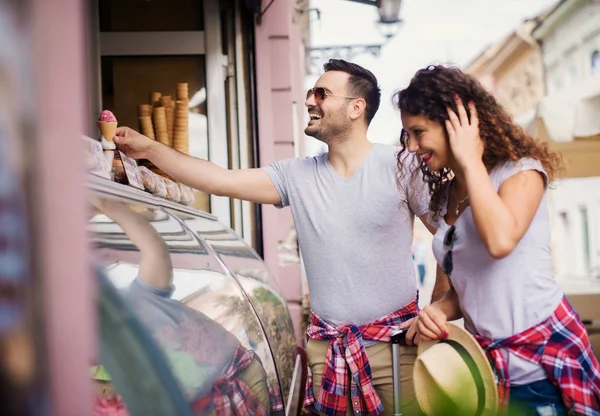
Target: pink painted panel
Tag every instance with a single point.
(290, 283)
(281, 65)
(63, 255)
(280, 83)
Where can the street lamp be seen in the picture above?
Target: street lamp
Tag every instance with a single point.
(389, 11)
(388, 23)
(389, 19)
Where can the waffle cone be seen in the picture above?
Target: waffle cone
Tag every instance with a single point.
(165, 101)
(108, 130)
(155, 98)
(181, 118)
(181, 140)
(182, 91)
(159, 118)
(144, 110)
(146, 126)
(170, 122)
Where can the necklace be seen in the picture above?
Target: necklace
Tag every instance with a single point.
(460, 202)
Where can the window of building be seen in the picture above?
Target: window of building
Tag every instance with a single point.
(585, 232)
(595, 62)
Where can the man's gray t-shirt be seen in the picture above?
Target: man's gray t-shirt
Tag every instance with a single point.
(355, 234)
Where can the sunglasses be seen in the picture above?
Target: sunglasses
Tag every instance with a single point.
(449, 239)
(321, 93)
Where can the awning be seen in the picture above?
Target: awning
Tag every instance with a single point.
(570, 123)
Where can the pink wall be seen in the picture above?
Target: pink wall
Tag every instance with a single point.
(61, 254)
(280, 83)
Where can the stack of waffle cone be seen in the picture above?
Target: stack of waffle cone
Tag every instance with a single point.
(145, 119)
(145, 110)
(180, 128)
(155, 99)
(182, 91)
(108, 130)
(146, 126)
(167, 102)
(159, 118)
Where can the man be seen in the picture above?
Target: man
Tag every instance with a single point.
(354, 226)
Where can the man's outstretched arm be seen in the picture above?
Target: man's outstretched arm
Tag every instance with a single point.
(248, 184)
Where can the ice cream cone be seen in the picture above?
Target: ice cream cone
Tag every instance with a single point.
(108, 130)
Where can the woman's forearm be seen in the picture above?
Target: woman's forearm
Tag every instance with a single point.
(450, 305)
(494, 222)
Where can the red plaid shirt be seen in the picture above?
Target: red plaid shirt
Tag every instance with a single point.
(560, 344)
(346, 350)
(230, 396)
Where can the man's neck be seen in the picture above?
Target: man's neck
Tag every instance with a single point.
(346, 157)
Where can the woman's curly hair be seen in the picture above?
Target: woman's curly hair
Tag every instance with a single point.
(431, 91)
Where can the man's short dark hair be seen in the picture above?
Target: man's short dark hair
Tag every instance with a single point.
(362, 84)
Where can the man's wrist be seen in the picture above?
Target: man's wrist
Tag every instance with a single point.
(153, 150)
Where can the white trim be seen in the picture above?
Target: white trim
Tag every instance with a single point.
(295, 129)
(234, 128)
(244, 138)
(218, 145)
(297, 369)
(151, 43)
(557, 15)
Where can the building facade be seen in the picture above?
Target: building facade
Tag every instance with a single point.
(512, 70)
(570, 43)
(243, 61)
(544, 60)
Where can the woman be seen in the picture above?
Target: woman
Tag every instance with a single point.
(487, 180)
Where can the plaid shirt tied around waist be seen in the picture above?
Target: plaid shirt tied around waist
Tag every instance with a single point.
(560, 344)
(230, 396)
(347, 350)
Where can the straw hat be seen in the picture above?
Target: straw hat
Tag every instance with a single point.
(454, 377)
(99, 373)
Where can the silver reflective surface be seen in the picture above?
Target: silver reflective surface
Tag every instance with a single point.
(194, 309)
(259, 285)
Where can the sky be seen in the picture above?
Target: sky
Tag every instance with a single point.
(432, 31)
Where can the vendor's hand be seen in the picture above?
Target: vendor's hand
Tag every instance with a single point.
(431, 324)
(132, 143)
(108, 206)
(463, 134)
